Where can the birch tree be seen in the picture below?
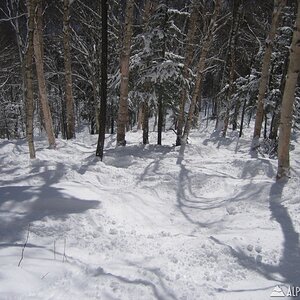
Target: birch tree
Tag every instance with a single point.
(38, 54)
(286, 117)
(265, 71)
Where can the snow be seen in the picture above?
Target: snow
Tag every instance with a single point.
(149, 222)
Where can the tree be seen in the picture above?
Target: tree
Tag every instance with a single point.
(39, 53)
(236, 15)
(192, 26)
(124, 69)
(29, 79)
(265, 71)
(145, 105)
(207, 40)
(287, 103)
(68, 72)
(102, 115)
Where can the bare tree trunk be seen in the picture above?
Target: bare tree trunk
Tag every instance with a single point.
(160, 88)
(145, 122)
(208, 38)
(149, 7)
(38, 53)
(68, 72)
(243, 115)
(29, 79)
(287, 103)
(265, 72)
(237, 10)
(102, 115)
(123, 103)
(188, 60)
(160, 119)
(276, 114)
(140, 117)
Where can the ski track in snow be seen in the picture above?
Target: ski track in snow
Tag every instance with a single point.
(149, 222)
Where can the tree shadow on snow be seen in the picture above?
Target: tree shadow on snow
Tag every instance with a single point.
(289, 264)
(21, 205)
(181, 195)
(217, 139)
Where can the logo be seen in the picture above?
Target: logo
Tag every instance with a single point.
(277, 292)
(291, 291)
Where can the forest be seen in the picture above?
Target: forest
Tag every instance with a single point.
(227, 60)
(152, 126)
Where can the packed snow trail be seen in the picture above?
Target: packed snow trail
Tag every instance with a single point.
(149, 222)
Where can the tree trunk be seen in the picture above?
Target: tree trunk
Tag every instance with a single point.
(243, 115)
(208, 38)
(160, 119)
(160, 88)
(140, 118)
(112, 117)
(149, 7)
(125, 56)
(276, 114)
(187, 63)
(102, 121)
(265, 72)
(68, 72)
(145, 122)
(237, 10)
(265, 125)
(38, 53)
(29, 79)
(287, 103)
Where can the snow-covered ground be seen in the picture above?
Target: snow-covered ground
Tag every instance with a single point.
(149, 222)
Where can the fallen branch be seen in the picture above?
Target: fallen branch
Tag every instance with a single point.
(22, 255)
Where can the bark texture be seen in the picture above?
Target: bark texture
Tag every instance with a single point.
(208, 38)
(38, 53)
(149, 8)
(102, 114)
(125, 56)
(29, 98)
(286, 117)
(265, 71)
(192, 26)
(237, 11)
(68, 72)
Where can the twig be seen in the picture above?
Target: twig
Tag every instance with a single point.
(64, 256)
(44, 275)
(22, 256)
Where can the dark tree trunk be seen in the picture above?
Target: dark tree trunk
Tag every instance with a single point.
(68, 72)
(243, 116)
(160, 120)
(102, 121)
(145, 123)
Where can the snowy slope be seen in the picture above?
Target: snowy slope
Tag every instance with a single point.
(149, 222)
